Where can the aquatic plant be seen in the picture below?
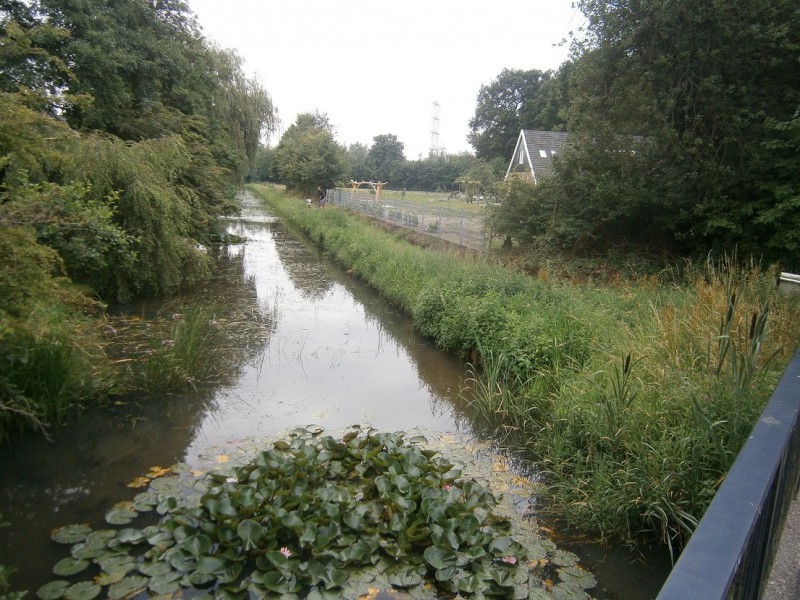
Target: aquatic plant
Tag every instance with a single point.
(315, 516)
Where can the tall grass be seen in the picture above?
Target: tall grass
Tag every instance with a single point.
(635, 395)
(178, 349)
(49, 365)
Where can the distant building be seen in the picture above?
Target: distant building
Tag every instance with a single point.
(533, 155)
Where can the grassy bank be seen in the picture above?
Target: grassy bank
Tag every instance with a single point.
(635, 396)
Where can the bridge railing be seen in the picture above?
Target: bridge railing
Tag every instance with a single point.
(731, 551)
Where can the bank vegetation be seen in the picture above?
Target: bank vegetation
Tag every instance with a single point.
(634, 395)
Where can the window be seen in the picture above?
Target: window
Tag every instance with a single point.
(521, 156)
(543, 153)
(553, 152)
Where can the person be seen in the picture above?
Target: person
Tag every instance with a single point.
(321, 193)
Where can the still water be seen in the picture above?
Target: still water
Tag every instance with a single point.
(320, 348)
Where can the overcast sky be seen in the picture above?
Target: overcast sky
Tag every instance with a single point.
(377, 67)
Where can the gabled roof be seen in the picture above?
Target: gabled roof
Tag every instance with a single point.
(534, 152)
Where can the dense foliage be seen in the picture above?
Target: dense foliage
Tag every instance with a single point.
(683, 123)
(517, 100)
(308, 157)
(123, 134)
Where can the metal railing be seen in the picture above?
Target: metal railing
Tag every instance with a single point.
(732, 550)
(451, 223)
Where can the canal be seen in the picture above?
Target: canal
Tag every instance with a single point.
(320, 348)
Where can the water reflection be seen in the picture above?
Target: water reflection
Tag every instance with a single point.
(308, 344)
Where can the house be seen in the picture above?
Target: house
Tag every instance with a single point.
(533, 155)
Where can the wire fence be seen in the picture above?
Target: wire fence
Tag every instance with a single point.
(451, 223)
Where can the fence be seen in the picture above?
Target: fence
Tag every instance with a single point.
(731, 551)
(452, 223)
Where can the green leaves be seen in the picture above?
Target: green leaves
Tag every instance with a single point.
(284, 523)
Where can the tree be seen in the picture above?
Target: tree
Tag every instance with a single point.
(358, 160)
(515, 100)
(307, 155)
(674, 127)
(385, 156)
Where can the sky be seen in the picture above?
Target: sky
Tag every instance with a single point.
(376, 67)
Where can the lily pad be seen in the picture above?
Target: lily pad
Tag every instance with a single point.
(122, 514)
(128, 587)
(85, 590)
(577, 576)
(70, 534)
(52, 590)
(70, 566)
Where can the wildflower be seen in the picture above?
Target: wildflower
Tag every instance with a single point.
(168, 343)
(232, 480)
(509, 560)
(447, 488)
(286, 552)
(177, 316)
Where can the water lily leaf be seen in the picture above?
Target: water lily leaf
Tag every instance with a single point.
(153, 568)
(577, 576)
(70, 534)
(166, 485)
(156, 472)
(139, 482)
(166, 583)
(145, 501)
(70, 566)
(84, 590)
(122, 514)
(251, 533)
(87, 551)
(562, 558)
(197, 545)
(52, 590)
(439, 557)
(470, 584)
(128, 587)
(130, 535)
(404, 575)
(210, 565)
(115, 568)
(101, 537)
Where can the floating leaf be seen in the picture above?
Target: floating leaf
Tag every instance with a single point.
(166, 583)
(70, 566)
(404, 576)
(130, 536)
(156, 472)
(87, 551)
(52, 590)
(122, 514)
(439, 558)
(128, 587)
(250, 532)
(85, 590)
(577, 576)
(70, 534)
(139, 482)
